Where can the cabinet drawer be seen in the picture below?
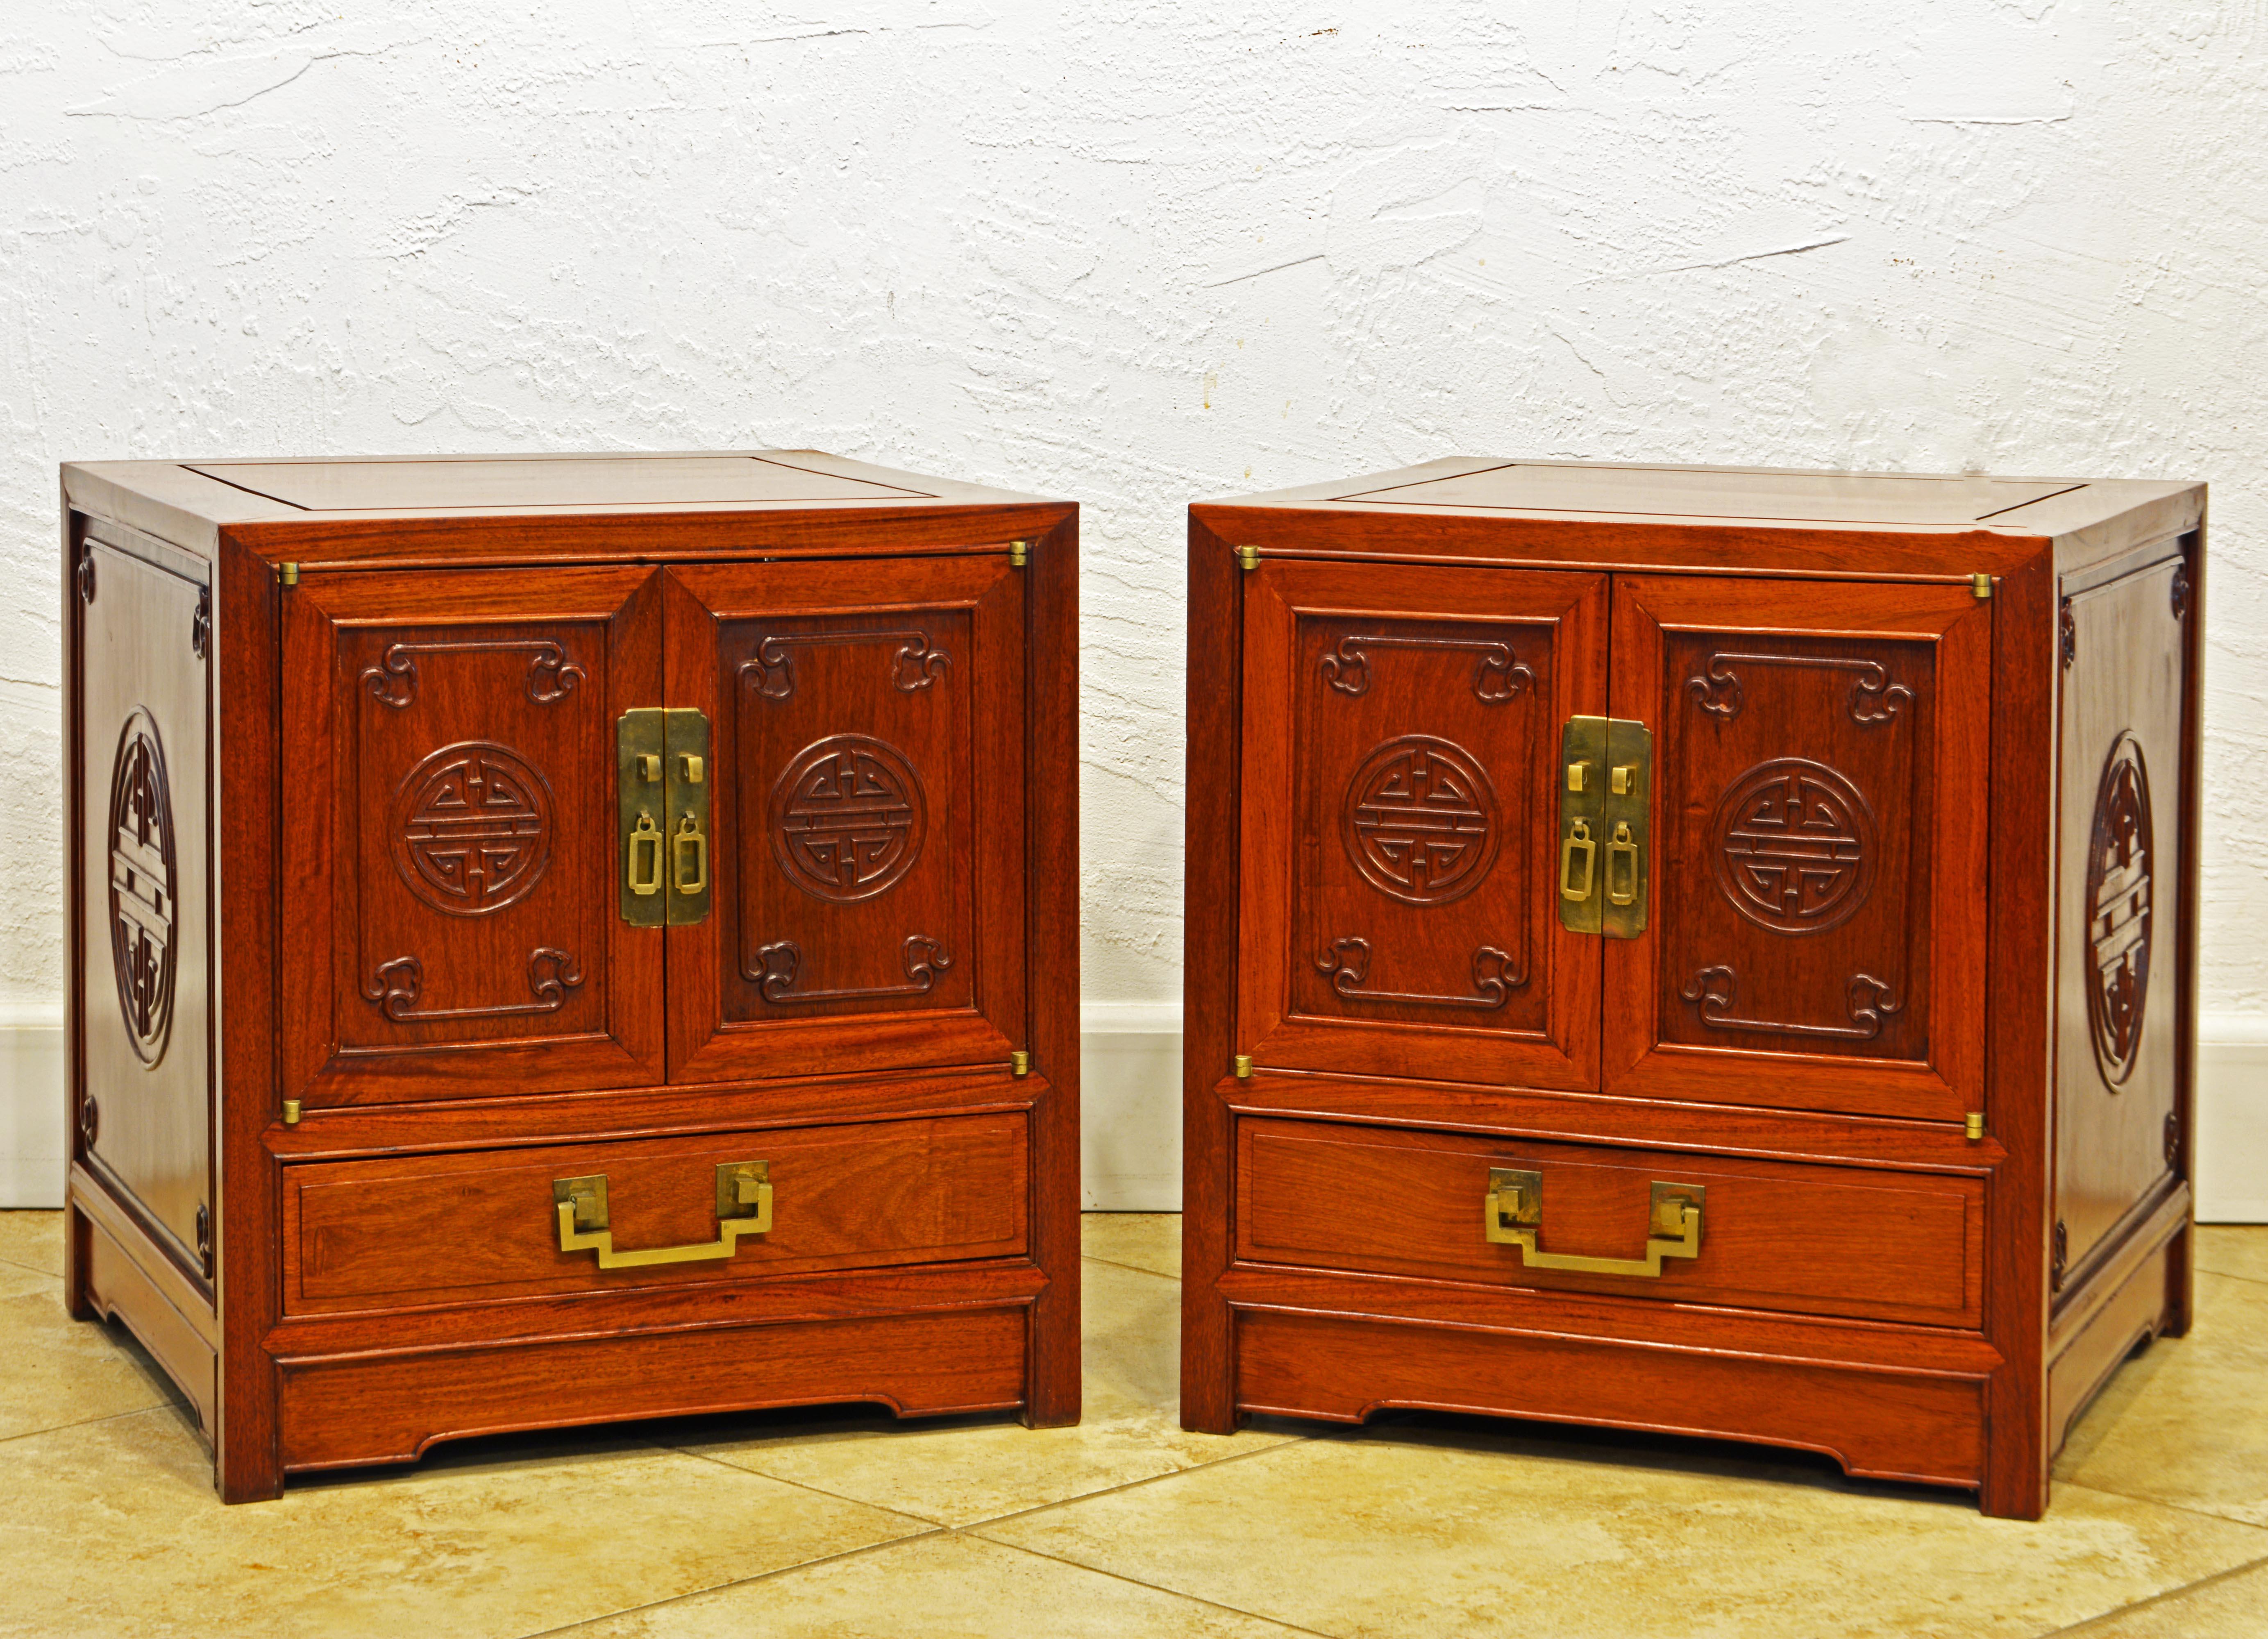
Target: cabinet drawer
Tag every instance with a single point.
(1831, 1240)
(414, 1231)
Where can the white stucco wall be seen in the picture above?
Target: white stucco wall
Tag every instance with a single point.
(1136, 256)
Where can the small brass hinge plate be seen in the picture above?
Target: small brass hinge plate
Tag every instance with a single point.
(1973, 1127)
(288, 573)
(291, 1112)
(1019, 1062)
(1243, 1066)
(1248, 557)
(1020, 553)
(1981, 585)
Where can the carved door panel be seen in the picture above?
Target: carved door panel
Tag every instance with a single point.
(448, 830)
(144, 980)
(867, 909)
(1398, 880)
(1817, 933)
(2119, 915)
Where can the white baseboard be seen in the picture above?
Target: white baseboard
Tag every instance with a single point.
(1130, 1106)
(31, 1133)
(1130, 1058)
(1131, 1145)
(2231, 1135)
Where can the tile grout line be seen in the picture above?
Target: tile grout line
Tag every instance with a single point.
(18, 1263)
(833, 1496)
(1154, 1587)
(2250, 1280)
(1135, 1268)
(1130, 1485)
(2193, 1511)
(737, 1582)
(2157, 1598)
(89, 1422)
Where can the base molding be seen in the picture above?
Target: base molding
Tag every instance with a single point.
(2232, 1119)
(34, 1137)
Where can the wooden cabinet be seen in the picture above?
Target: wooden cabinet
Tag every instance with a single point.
(563, 939)
(1692, 949)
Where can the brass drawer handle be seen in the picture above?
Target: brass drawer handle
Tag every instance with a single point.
(744, 1207)
(1514, 1217)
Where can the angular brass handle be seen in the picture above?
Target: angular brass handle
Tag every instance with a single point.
(690, 835)
(1621, 850)
(744, 1207)
(1579, 837)
(1513, 1215)
(644, 834)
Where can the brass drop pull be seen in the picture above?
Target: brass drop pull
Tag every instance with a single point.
(1622, 852)
(647, 835)
(1513, 1215)
(689, 835)
(1579, 838)
(744, 1207)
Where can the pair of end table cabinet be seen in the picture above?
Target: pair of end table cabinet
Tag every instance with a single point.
(566, 939)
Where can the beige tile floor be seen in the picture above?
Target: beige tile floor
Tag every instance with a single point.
(813, 1524)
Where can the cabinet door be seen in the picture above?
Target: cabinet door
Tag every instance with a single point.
(1816, 938)
(867, 722)
(450, 908)
(1398, 879)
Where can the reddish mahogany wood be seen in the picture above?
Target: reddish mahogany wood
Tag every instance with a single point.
(389, 1408)
(410, 697)
(119, 1288)
(1803, 1239)
(1363, 946)
(1855, 701)
(434, 609)
(414, 1231)
(908, 679)
(648, 1112)
(1885, 1425)
(1724, 1129)
(1881, 659)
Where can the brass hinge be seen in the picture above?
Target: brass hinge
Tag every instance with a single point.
(1020, 553)
(1981, 585)
(1244, 1067)
(1248, 557)
(1019, 1063)
(1974, 1126)
(291, 1112)
(288, 573)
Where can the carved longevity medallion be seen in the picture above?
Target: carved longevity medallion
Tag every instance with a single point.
(2119, 909)
(472, 828)
(847, 818)
(1794, 846)
(142, 912)
(1420, 820)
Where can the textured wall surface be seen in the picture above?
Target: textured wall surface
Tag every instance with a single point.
(1136, 259)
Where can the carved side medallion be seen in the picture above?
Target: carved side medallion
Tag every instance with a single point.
(472, 828)
(1794, 846)
(143, 914)
(2118, 862)
(1420, 820)
(848, 814)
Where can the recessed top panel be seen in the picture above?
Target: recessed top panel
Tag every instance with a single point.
(510, 484)
(1700, 492)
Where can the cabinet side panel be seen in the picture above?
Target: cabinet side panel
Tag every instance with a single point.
(2119, 915)
(144, 978)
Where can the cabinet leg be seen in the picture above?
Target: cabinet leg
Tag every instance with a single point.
(1208, 1363)
(1052, 1387)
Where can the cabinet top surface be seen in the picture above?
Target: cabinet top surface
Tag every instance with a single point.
(1890, 501)
(500, 486)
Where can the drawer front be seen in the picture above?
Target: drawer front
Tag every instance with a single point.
(415, 1231)
(1809, 1239)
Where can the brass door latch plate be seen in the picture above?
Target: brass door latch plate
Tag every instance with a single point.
(1606, 825)
(661, 784)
